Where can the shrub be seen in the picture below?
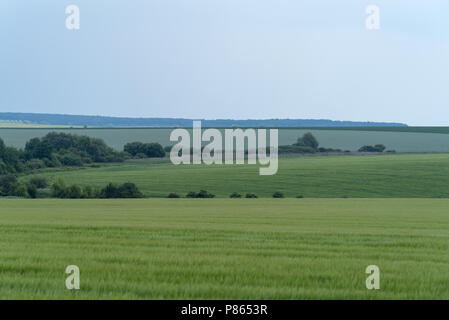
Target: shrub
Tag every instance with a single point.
(20, 191)
(126, 190)
(58, 189)
(376, 148)
(129, 190)
(191, 194)
(205, 194)
(133, 148)
(250, 196)
(52, 162)
(235, 195)
(73, 192)
(300, 196)
(31, 190)
(110, 191)
(202, 194)
(173, 195)
(88, 192)
(150, 150)
(38, 182)
(154, 150)
(278, 194)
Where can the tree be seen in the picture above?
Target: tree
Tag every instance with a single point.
(308, 140)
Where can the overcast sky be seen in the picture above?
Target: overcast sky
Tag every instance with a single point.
(228, 59)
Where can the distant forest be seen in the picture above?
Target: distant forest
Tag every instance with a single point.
(101, 121)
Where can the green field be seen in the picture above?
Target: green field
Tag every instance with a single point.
(375, 176)
(225, 249)
(401, 139)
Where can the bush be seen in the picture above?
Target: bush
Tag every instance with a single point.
(89, 192)
(150, 150)
(376, 148)
(205, 194)
(250, 196)
(20, 191)
(300, 196)
(173, 195)
(32, 190)
(38, 182)
(59, 189)
(126, 190)
(129, 190)
(202, 194)
(74, 192)
(191, 194)
(110, 191)
(278, 194)
(235, 195)
(154, 150)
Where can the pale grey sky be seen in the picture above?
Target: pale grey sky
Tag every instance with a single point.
(228, 59)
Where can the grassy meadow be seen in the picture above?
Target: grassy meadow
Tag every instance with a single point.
(369, 176)
(224, 248)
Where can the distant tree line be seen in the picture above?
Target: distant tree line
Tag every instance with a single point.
(101, 121)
